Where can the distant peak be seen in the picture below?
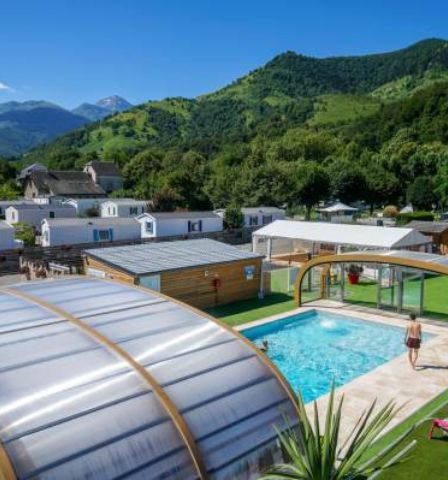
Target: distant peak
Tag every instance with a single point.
(114, 103)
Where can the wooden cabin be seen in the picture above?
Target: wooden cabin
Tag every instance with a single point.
(203, 273)
(437, 231)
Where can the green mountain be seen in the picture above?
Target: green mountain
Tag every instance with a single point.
(247, 141)
(24, 125)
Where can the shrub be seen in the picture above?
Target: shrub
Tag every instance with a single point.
(405, 218)
(391, 211)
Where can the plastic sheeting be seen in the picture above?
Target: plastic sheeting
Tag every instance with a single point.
(71, 408)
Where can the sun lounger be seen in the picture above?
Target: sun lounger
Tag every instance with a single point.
(438, 423)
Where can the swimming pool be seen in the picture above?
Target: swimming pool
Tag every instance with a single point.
(313, 348)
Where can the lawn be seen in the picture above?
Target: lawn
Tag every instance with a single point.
(429, 458)
(254, 309)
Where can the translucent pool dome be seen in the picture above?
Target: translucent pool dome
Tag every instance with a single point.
(100, 380)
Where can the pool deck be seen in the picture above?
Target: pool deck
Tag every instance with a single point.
(394, 380)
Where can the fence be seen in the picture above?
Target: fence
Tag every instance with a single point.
(71, 255)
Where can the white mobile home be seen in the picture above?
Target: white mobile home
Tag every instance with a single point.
(34, 214)
(71, 231)
(4, 204)
(337, 213)
(257, 216)
(166, 224)
(6, 236)
(123, 207)
(86, 206)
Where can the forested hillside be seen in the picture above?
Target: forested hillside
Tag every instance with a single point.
(371, 128)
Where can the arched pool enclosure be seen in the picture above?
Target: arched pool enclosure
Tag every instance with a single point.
(401, 281)
(106, 381)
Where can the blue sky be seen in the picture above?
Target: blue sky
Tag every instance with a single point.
(71, 51)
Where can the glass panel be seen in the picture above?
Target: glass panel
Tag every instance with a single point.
(389, 288)
(19, 349)
(104, 444)
(17, 313)
(81, 297)
(361, 284)
(412, 290)
(435, 300)
(311, 285)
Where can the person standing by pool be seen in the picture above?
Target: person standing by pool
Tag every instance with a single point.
(413, 339)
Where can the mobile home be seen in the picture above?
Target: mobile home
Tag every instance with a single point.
(72, 231)
(166, 224)
(35, 213)
(123, 207)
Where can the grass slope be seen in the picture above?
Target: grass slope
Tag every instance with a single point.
(329, 109)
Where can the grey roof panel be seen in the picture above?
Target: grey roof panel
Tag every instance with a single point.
(158, 257)
(428, 227)
(183, 215)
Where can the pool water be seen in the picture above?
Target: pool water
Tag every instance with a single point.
(313, 348)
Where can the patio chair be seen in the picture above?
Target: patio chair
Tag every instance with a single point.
(439, 423)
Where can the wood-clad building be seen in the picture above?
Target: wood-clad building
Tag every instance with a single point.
(437, 231)
(202, 273)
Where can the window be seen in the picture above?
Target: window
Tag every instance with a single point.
(51, 214)
(253, 220)
(133, 210)
(195, 226)
(46, 236)
(149, 227)
(103, 235)
(267, 219)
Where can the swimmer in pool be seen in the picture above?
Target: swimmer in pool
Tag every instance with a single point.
(264, 346)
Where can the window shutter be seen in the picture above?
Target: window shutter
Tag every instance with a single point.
(111, 234)
(200, 225)
(96, 236)
(189, 226)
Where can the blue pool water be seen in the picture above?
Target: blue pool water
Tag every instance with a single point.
(313, 348)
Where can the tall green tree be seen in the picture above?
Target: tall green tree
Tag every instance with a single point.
(313, 185)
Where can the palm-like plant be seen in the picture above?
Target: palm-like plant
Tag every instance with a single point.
(317, 455)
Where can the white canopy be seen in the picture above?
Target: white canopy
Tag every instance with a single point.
(342, 234)
(337, 207)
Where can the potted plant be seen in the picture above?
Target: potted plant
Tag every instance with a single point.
(354, 271)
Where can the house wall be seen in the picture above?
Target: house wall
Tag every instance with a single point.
(83, 204)
(7, 238)
(31, 191)
(109, 184)
(35, 216)
(275, 216)
(179, 226)
(73, 234)
(195, 285)
(111, 209)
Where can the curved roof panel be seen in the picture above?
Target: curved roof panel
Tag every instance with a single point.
(103, 380)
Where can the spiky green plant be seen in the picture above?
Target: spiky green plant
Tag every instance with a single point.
(318, 455)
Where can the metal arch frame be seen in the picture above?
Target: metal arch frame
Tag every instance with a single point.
(364, 258)
(6, 469)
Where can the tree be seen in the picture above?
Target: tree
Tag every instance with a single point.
(421, 193)
(349, 182)
(26, 233)
(165, 200)
(382, 186)
(233, 217)
(316, 454)
(313, 185)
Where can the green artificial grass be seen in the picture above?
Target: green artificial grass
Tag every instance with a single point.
(435, 297)
(254, 309)
(429, 458)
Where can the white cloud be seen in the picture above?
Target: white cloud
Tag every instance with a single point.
(5, 88)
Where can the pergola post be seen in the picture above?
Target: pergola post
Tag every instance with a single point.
(269, 252)
(342, 281)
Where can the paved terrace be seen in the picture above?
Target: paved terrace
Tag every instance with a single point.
(394, 380)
